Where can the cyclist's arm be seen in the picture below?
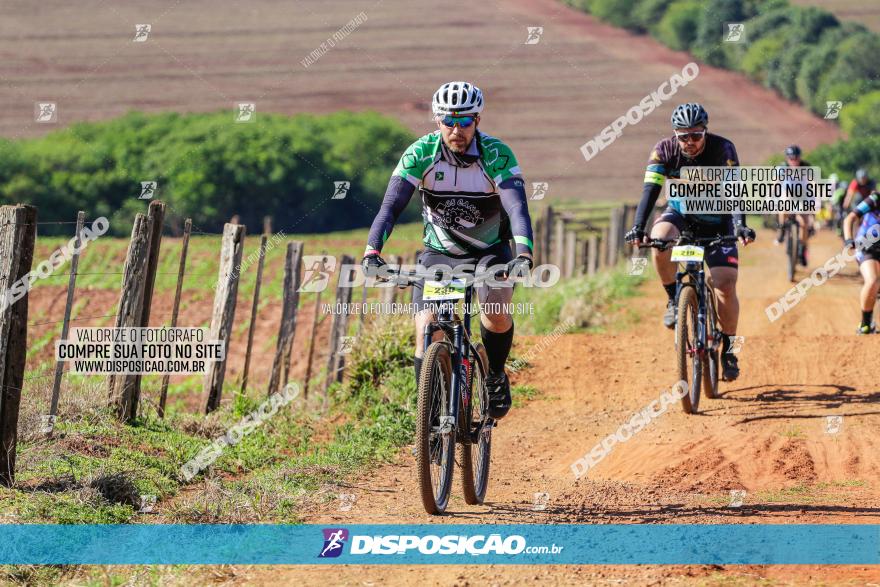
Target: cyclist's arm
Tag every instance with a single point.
(513, 199)
(655, 176)
(869, 204)
(397, 196)
(850, 192)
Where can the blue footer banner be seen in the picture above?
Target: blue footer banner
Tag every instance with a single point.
(523, 544)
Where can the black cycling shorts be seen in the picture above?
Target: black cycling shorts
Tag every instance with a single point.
(717, 255)
(494, 255)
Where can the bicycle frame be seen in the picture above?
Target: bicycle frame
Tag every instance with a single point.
(695, 274)
(458, 332)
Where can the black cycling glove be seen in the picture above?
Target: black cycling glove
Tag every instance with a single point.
(371, 264)
(635, 233)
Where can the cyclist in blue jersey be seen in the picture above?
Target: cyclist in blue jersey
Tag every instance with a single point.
(691, 146)
(868, 255)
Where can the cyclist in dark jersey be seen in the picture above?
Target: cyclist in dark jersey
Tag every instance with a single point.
(859, 189)
(868, 255)
(691, 146)
(473, 204)
(805, 221)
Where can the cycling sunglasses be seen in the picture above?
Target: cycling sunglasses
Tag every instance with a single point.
(462, 121)
(694, 136)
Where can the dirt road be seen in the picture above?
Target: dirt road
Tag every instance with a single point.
(767, 435)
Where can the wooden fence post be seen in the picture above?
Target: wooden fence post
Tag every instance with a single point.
(121, 388)
(336, 360)
(570, 242)
(559, 243)
(593, 254)
(613, 232)
(253, 323)
(313, 337)
(65, 326)
(603, 247)
(223, 316)
(18, 232)
(181, 269)
(156, 214)
(389, 294)
(287, 328)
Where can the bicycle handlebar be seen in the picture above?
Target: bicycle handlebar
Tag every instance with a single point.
(663, 244)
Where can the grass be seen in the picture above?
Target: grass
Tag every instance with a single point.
(592, 303)
(523, 393)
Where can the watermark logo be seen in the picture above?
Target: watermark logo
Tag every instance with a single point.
(832, 109)
(630, 428)
(736, 344)
(833, 424)
(346, 344)
(819, 276)
(20, 288)
(47, 423)
(331, 41)
(340, 190)
(736, 498)
(148, 504)
(646, 106)
(534, 35)
(318, 269)
(245, 112)
(141, 32)
(539, 190)
(638, 265)
(734, 32)
(346, 501)
(148, 190)
(45, 112)
(334, 540)
(541, 499)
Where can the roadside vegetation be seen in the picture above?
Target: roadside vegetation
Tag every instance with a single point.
(803, 53)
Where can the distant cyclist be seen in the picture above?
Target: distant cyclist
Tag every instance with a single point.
(868, 256)
(692, 145)
(805, 221)
(473, 203)
(859, 189)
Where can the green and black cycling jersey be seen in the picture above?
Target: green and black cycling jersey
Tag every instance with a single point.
(470, 202)
(666, 161)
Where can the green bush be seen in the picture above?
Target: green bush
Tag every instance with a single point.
(208, 168)
(860, 119)
(709, 44)
(678, 27)
(762, 56)
(648, 13)
(617, 12)
(783, 77)
(856, 61)
(844, 157)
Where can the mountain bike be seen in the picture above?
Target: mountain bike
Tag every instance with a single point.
(453, 400)
(697, 329)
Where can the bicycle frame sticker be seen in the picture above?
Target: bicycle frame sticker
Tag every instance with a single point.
(452, 289)
(685, 253)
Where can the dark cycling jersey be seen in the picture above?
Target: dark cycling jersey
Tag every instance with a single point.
(862, 191)
(667, 159)
(470, 202)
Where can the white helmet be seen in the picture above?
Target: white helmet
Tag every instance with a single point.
(457, 98)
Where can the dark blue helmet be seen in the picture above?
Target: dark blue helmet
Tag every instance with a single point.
(689, 115)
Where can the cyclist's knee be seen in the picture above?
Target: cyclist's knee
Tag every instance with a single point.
(724, 281)
(500, 322)
(664, 231)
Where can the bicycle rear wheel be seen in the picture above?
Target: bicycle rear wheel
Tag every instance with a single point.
(435, 449)
(690, 367)
(713, 363)
(792, 249)
(474, 458)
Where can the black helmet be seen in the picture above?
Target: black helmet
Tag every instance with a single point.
(793, 151)
(689, 115)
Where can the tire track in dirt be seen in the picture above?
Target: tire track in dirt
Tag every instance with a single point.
(765, 435)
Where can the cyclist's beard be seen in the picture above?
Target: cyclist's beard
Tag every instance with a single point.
(462, 159)
(696, 152)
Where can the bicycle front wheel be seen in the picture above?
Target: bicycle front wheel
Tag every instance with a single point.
(474, 458)
(712, 367)
(435, 446)
(690, 366)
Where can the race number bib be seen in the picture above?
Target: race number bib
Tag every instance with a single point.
(452, 289)
(687, 253)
